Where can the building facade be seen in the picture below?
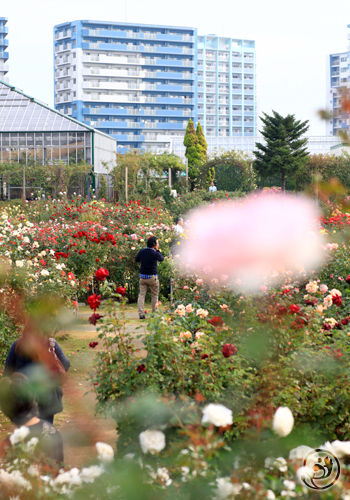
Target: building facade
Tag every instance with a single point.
(337, 81)
(227, 86)
(134, 82)
(4, 43)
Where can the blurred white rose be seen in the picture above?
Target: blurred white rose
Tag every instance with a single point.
(105, 452)
(218, 415)
(19, 435)
(283, 421)
(152, 441)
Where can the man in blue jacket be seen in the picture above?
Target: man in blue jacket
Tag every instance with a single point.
(149, 258)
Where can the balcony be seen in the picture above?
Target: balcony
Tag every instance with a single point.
(4, 55)
(61, 35)
(4, 29)
(4, 42)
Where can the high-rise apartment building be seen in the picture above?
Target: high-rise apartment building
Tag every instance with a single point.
(226, 86)
(134, 82)
(337, 81)
(4, 43)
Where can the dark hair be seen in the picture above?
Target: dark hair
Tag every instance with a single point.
(178, 219)
(152, 241)
(17, 399)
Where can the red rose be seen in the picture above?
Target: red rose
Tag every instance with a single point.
(337, 300)
(345, 321)
(282, 310)
(141, 368)
(204, 356)
(93, 344)
(228, 350)
(70, 276)
(327, 326)
(94, 301)
(121, 290)
(101, 274)
(293, 308)
(94, 318)
(42, 262)
(216, 321)
(348, 279)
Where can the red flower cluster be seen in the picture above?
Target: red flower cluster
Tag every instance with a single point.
(94, 301)
(101, 274)
(345, 321)
(337, 300)
(93, 344)
(294, 309)
(327, 326)
(94, 318)
(228, 350)
(141, 368)
(311, 302)
(121, 290)
(216, 321)
(348, 279)
(42, 262)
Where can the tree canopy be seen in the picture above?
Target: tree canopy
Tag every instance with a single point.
(285, 152)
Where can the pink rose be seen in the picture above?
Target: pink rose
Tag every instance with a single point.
(323, 288)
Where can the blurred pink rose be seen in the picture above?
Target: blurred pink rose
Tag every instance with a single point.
(323, 288)
(263, 288)
(186, 287)
(199, 282)
(254, 237)
(189, 308)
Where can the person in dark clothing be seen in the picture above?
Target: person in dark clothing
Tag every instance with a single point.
(38, 358)
(149, 258)
(18, 403)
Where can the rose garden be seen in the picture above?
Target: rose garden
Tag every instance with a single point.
(222, 393)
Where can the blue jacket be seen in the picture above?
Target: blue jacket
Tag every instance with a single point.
(50, 397)
(149, 259)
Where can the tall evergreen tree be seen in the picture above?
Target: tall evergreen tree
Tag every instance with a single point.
(285, 152)
(191, 143)
(202, 143)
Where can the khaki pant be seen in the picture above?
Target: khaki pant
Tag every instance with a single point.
(153, 285)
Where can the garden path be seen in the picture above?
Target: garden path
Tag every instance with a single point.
(79, 425)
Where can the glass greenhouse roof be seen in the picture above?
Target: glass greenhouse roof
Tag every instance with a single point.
(21, 113)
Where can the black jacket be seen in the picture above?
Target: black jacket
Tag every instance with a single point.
(149, 259)
(50, 397)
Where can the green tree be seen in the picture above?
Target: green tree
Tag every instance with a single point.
(231, 169)
(202, 145)
(285, 153)
(102, 193)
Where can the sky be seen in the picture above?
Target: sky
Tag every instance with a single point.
(292, 41)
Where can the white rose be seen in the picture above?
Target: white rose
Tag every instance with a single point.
(270, 495)
(290, 485)
(63, 478)
(163, 474)
(19, 263)
(105, 452)
(300, 452)
(152, 441)
(19, 435)
(283, 421)
(226, 488)
(75, 478)
(44, 272)
(26, 239)
(32, 443)
(14, 480)
(218, 415)
(338, 448)
(304, 472)
(89, 474)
